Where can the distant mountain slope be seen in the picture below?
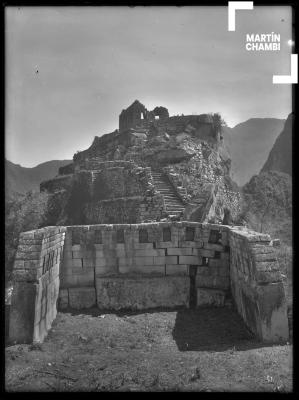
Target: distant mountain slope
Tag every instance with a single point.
(249, 144)
(280, 157)
(269, 199)
(20, 179)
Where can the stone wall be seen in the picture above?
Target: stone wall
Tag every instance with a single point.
(106, 192)
(108, 258)
(36, 284)
(140, 266)
(137, 115)
(199, 126)
(256, 284)
(133, 210)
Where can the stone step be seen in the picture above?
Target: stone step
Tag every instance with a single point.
(169, 193)
(170, 199)
(173, 201)
(166, 190)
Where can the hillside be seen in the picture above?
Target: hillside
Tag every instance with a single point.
(249, 144)
(280, 157)
(20, 179)
(269, 200)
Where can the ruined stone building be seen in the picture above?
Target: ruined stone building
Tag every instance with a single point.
(135, 223)
(153, 167)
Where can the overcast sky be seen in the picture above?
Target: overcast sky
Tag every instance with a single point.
(71, 70)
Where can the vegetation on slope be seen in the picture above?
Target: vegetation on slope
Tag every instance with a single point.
(267, 208)
(280, 157)
(249, 144)
(19, 180)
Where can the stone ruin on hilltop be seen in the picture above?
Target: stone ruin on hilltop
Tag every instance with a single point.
(153, 168)
(137, 224)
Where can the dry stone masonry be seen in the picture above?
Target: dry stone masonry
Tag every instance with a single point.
(36, 283)
(256, 284)
(141, 266)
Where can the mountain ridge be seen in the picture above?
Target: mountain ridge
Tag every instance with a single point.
(19, 180)
(249, 144)
(279, 158)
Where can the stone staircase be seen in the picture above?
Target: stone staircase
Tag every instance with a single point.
(173, 203)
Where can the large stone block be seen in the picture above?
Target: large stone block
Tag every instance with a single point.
(103, 262)
(144, 246)
(198, 244)
(149, 252)
(82, 297)
(85, 278)
(193, 260)
(165, 260)
(22, 312)
(88, 263)
(142, 293)
(77, 262)
(142, 269)
(166, 245)
(180, 251)
(176, 269)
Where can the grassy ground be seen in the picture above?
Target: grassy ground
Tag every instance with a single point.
(206, 349)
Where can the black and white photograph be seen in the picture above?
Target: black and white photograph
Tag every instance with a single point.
(148, 197)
